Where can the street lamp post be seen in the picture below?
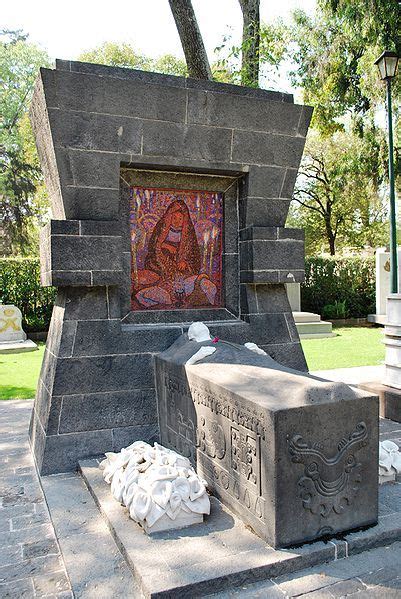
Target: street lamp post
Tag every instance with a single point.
(387, 64)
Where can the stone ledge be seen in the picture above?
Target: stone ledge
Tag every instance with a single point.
(222, 553)
(17, 347)
(202, 559)
(80, 253)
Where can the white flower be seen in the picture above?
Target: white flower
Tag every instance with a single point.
(389, 457)
(154, 481)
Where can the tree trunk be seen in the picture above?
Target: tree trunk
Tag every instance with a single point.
(191, 39)
(250, 42)
(331, 238)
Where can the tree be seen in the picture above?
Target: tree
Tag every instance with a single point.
(20, 175)
(116, 55)
(334, 53)
(194, 49)
(250, 42)
(123, 55)
(191, 39)
(337, 190)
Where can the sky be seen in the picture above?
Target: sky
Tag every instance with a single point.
(65, 29)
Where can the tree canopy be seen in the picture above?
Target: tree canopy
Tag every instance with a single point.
(334, 53)
(20, 175)
(337, 193)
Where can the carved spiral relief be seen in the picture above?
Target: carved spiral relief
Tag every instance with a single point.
(329, 483)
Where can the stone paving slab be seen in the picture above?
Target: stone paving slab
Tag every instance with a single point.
(375, 573)
(94, 563)
(31, 564)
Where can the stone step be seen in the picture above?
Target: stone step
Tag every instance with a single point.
(317, 335)
(306, 317)
(315, 328)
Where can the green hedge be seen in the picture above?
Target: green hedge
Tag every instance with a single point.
(339, 287)
(20, 285)
(333, 287)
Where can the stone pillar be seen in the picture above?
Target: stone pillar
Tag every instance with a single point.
(392, 341)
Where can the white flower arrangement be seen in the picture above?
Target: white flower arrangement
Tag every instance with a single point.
(157, 485)
(389, 461)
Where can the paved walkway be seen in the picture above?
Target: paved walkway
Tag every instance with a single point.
(30, 559)
(31, 564)
(353, 376)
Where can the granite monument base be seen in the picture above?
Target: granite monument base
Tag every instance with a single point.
(294, 456)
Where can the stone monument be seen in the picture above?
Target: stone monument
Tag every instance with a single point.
(169, 198)
(296, 457)
(12, 335)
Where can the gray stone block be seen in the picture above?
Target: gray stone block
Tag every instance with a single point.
(110, 337)
(119, 72)
(125, 435)
(84, 303)
(289, 182)
(95, 258)
(231, 292)
(94, 227)
(170, 80)
(287, 354)
(251, 428)
(121, 97)
(91, 169)
(88, 131)
(102, 373)
(193, 142)
(62, 452)
(272, 298)
(269, 328)
(91, 202)
(66, 278)
(229, 88)
(267, 149)
(264, 212)
(265, 181)
(175, 317)
(80, 413)
(61, 227)
(242, 112)
(304, 120)
(272, 277)
(88, 252)
(272, 254)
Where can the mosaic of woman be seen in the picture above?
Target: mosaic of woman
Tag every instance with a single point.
(172, 265)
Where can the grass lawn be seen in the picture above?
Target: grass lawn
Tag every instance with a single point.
(19, 373)
(353, 346)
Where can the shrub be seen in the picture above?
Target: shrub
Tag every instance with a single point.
(336, 310)
(20, 285)
(339, 286)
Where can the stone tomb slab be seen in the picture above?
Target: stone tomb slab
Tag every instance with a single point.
(294, 456)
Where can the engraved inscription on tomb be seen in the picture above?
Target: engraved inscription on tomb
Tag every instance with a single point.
(211, 439)
(223, 433)
(245, 455)
(329, 484)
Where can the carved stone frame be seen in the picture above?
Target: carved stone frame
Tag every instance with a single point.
(161, 178)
